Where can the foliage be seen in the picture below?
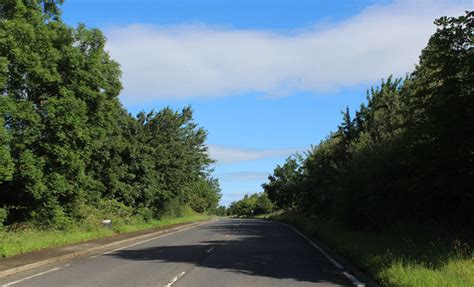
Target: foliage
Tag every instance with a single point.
(24, 239)
(205, 195)
(408, 257)
(406, 156)
(220, 211)
(3, 216)
(255, 204)
(67, 146)
(282, 186)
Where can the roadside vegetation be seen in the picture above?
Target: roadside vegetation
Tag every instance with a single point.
(251, 205)
(25, 238)
(392, 187)
(70, 154)
(406, 256)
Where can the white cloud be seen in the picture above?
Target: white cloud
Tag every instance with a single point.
(227, 155)
(243, 176)
(201, 61)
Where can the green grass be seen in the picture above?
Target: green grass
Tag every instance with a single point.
(29, 239)
(408, 258)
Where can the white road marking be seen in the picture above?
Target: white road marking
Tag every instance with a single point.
(354, 280)
(29, 277)
(210, 249)
(339, 266)
(150, 239)
(351, 277)
(143, 241)
(175, 278)
(237, 227)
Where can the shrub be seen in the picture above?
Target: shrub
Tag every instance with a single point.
(3, 216)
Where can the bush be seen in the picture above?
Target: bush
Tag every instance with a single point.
(52, 216)
(255, 204)
(172, 208)
(145, 213)
(3, 216)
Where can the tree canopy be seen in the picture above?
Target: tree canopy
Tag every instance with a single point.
(66, 143)
(406, 155)
(250, 205)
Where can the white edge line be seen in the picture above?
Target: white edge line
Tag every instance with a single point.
(339, 266)
(57, 268)
(175, 278)
(29, 277)
(210, 249)
(351, 277)
(150, 239)
(143, 241)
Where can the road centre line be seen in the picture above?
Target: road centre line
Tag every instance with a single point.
(117, 249)
(237, 227)
(29, 277)
(210, 249)
(150, 239)
(351, 277)
(175, 278)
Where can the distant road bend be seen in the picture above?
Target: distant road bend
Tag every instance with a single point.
(229, 252)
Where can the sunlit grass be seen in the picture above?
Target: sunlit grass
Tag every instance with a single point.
(456, 272)
(396, 259)
(27, 239)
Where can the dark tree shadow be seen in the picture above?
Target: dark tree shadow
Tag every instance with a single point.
(258, 248)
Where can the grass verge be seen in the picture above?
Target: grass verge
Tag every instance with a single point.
(408, 258)
(30, 239)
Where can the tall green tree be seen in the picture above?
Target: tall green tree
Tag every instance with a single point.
(283, 185)
(407, 155)
(60, 88)
(66, 143)
(441, 108)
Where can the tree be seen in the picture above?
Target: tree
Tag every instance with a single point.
(282, 186)
(67, 146)
(250, 205)
(407, 156)
(205, 195)
(441, 108)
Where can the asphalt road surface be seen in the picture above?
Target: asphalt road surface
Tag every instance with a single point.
(229, 252)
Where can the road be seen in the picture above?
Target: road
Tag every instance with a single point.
(229, 252)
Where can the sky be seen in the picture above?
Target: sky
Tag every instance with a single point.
(265, 78)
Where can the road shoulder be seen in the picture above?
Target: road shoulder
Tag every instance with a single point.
(30, 260)
(359, 278)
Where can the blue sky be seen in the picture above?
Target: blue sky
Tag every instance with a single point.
(265, 78)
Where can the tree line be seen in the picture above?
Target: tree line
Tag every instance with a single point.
(405, 156)
(251, 205)
(68, 148)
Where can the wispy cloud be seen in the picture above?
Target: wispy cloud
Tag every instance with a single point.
(243, 176)
(201, 61)
(228, 155)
